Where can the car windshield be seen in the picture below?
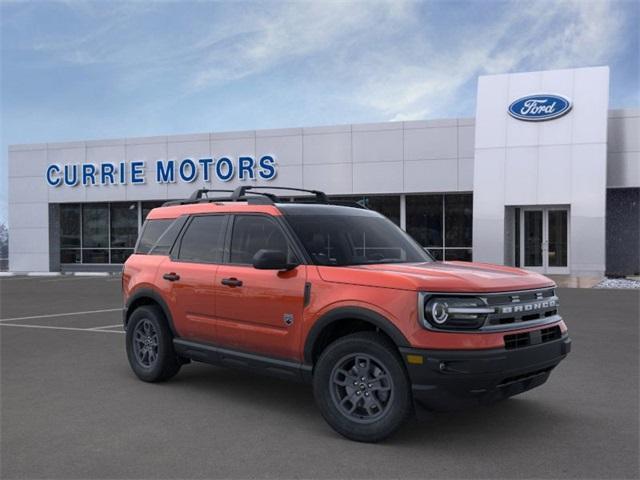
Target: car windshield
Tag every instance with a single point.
(341, 240)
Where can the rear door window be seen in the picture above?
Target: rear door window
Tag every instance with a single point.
(203, 240)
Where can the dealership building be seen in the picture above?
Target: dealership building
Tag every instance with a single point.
(545, 177)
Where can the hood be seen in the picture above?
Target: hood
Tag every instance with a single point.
(465, 277)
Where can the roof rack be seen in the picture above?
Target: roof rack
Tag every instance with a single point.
(199, 197)
(246, 193)
(321, 197)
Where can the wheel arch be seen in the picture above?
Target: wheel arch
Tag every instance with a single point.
(148, 296)
(330, 321)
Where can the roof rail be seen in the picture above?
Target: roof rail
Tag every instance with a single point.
(239, 192)
(246, 193)
(197, 195)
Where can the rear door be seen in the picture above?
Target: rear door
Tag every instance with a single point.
(259, 311)
(189, 276)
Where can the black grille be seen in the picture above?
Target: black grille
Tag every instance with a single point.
(520, 340)
(525, 376)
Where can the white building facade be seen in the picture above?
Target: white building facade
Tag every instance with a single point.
(545, 177)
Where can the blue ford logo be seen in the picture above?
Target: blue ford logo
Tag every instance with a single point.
(536, 108)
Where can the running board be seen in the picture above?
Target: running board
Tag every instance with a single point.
(203, 352)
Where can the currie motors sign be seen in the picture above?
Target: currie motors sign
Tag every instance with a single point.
(537, 108)
(188, 170)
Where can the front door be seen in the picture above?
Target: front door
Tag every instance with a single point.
(544, 239)
(259, 310)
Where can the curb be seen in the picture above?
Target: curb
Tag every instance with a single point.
(91, 274)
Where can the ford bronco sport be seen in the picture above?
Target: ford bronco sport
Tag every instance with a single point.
(337, 296)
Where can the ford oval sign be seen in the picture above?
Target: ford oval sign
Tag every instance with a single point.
(536, 108)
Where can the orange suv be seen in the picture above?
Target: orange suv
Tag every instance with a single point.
(337, 296)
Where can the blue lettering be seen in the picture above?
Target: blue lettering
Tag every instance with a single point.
(137, 172)
(165, 174)
(68, 179)
(267, 168)
(123, 173)
(224, 177)
(192, 170)
(246, 165)
(106, 173)
(51, 180)
(206, 167)
(88, 173)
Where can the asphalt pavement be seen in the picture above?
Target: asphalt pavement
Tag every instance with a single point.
(71, 408)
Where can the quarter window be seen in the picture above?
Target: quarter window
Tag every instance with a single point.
(204, 239)
(151, 232)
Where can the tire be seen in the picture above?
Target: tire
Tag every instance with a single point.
(150, 345)
(369, 410)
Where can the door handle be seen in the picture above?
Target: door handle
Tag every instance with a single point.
(231, 282)
(172, 277)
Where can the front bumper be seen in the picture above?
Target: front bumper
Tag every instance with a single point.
(449, 379)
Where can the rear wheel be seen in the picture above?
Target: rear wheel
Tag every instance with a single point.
(361, 387)
(150, 345)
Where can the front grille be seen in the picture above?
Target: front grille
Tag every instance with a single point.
(536, 337)
(516, 307)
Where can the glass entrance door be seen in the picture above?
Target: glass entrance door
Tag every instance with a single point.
(544, 239)
(533, 239)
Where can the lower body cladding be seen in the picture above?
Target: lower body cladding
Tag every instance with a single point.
(445, 379)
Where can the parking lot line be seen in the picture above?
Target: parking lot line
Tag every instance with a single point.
(107, 326)
(72, 278)
(33, 317)
(49, 327)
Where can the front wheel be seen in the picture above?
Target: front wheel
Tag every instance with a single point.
(361, 387)
(150, 345)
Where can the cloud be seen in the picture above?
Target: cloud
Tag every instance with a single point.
(295, 30)
(528, 36)
(391, 57)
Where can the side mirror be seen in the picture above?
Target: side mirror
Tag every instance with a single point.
(272, 260)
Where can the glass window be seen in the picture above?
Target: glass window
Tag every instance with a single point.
(69, 226)
(168, 238)
(437, 253)
(424, 219)
(120, 255)
(252, 233)
(458, 220)
(461, 254)
(204, 239)
(151, 232)
(95, 225)
(68, 255)
(95, 255)
(124, 225)
(354, 239)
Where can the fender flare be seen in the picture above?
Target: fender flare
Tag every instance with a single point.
(351, 313)
(157, 298)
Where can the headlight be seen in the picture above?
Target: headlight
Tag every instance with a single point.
(455, 312)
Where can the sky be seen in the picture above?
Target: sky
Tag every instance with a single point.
(74, 70)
